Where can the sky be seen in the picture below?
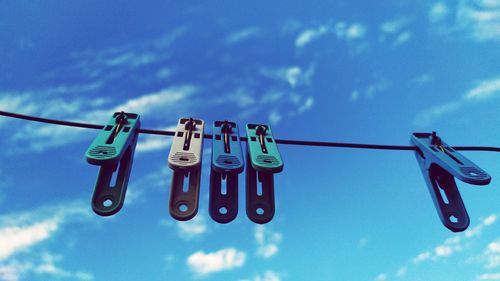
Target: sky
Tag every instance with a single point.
(346, 71)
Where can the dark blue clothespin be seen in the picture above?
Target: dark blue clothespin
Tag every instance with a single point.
(185, 160)
(227, 163)
(440, 163)
(113, 149)
(263, 160)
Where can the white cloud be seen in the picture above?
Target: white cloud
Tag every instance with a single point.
(355, 31)
(306, 36)
(481, 19)
(275, 117)
(369, 91)
(489, 220)
(267, 241)
(40, 137)
(402, 38)
(488, 276)
(381, 277)
(422, 79)
(241, 35)
(293, 75)
(204, 264)
(394, 26)
(422, 257)
(438, 12)
(350, 31)
(427, 116)
(151, 143)
(21, 231)
(443, 251)
(193, 228)
(267, 276)
(17, 238)
(362, 242)
(401, 272)
(483, 91)
(492, 254)
(306, 106)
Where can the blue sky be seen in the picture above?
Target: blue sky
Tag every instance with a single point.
(329, 71)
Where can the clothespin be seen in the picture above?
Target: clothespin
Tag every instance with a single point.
(185, 160)
(113, 149)
(440, 163)
(263, 160)
(227, 163)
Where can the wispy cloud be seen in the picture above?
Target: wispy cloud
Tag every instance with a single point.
(488, 276)
(294, 76)
(267, 276)
(18, 238)
(309, 35)
(191, 229)
(395, 25)
(456, 244)
(371, 90)
(21, 232)
(243, 34)
(40, 137)
(479, 20)
(422, 79)
(438, 11)
(348, 31)
(483, 91)
(203, 264)
(402, 38)
(267, 241)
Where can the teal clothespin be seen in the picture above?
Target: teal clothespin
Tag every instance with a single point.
(227, 163)
(185, 161)
(113, 149)
(263, 160)
(440, 164)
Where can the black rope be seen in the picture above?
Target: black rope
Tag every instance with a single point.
(280, 141)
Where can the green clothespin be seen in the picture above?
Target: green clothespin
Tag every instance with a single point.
(113, 149)
(263, 160)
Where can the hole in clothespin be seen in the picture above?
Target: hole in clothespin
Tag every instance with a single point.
(453, 219)
(183, 207)
(107, 203)
(259, 211)
(223, 210)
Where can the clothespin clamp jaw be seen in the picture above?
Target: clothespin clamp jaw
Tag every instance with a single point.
(263, 160)
(440, 164)
(113, 149)
(185, 161)
(227, 163)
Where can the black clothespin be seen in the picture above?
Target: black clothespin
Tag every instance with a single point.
(185, 161)
(227, 163)
(113, 149)
(263, 161)
(440, 163)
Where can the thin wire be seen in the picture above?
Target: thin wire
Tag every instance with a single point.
(279, 141)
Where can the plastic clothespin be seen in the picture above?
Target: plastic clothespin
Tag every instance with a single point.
(263, 160)
(185, 160)
(227, 163)
(113, 149)
(440, 163)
